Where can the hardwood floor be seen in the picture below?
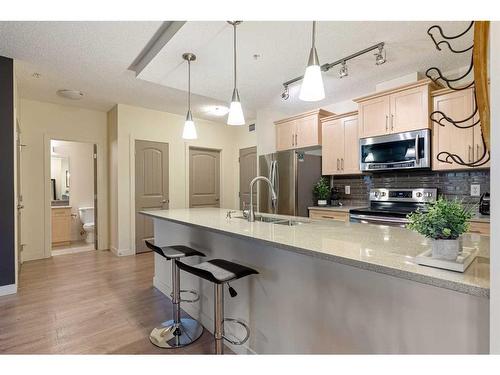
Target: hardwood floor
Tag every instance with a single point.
(87, 303)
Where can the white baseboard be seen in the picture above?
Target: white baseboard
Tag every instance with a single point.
(206, 321)
(8, 289)
(121, 252)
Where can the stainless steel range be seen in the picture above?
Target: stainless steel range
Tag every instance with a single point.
(391, 206)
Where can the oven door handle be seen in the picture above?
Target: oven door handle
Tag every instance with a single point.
(381, 219)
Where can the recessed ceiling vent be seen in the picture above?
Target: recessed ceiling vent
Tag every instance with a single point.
(70, 94)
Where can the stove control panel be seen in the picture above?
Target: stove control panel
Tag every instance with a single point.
(404, 195)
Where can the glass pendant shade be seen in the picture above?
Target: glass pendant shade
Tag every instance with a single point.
(235, 116)
(189, 131)
(312, 88)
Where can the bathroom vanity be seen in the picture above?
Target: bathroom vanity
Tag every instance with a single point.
(61, 225)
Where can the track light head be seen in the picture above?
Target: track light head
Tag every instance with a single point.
(380, 56)
(285, 94)
(343, 72)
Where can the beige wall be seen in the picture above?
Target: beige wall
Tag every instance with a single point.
(81, 167)
(139, 123)
(41, 122)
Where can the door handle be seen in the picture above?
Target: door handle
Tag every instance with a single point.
(20, 206)
(338, 164)
(216, 199)
(295, 139)
(417, 156)
(477, 151)
(342, 163)
(164, 201)
(470, 149)
(392, 122)
(386, 123)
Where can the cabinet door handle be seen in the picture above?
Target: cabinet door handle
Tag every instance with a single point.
(342, 163)
(386, 123)
(392, 122)
(295, 139)
(338, 164)
(477, 151)
(470, 149)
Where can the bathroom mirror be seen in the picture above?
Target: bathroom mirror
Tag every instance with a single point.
(60, 176)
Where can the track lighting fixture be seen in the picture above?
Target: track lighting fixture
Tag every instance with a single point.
(380, 56)
(343, 70)
(285, 94)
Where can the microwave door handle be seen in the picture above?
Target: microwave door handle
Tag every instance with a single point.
(417, 156)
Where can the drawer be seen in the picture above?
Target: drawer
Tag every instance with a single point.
(61, 212)
(329, 215)
(479, 227)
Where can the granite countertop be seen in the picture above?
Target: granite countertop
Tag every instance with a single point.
(383, 249)
(335, 208)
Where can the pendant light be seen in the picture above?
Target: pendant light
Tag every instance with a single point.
(235, 116)
(189, 131)
(312, 88)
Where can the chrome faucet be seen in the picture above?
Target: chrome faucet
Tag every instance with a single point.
(251, 213)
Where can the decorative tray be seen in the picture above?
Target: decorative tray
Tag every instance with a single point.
(460, 264)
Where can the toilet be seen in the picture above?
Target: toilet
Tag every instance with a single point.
(87, 219)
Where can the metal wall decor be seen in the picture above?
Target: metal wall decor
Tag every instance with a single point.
(480, 115)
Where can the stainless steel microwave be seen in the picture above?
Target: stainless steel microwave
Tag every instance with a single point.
(406, 150)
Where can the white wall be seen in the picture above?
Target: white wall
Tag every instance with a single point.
(81, 167)
(495, 189)
(41, 122)
(136, 123)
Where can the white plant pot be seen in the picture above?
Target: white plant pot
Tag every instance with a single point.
(322, 202)
(446, 249)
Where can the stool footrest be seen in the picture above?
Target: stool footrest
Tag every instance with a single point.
(241, 323)
(193, 292)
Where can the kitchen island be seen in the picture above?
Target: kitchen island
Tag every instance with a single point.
(332, 287)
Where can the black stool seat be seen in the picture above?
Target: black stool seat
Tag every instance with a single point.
(174, 251)
(218, 271)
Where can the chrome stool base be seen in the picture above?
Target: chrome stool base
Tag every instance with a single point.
(170, 335)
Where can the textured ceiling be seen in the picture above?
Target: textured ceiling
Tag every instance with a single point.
(94, 57)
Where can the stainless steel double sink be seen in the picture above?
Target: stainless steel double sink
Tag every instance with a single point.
(275, 220)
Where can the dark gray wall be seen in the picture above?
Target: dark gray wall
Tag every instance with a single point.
(7, 257)
(449, 184)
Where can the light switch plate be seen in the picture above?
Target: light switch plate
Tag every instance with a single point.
(347, 189)
(475, 190)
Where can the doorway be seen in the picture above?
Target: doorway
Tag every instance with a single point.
(204, 177)
(73, 197)
(151, 187)
(248, 171)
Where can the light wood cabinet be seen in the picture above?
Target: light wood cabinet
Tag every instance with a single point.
(340, 151)
(300, 131)
(466, 143)
(328, 215)
(393, 111)
(61, 226)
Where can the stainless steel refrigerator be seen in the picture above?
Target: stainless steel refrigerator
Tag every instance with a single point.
(293, 174)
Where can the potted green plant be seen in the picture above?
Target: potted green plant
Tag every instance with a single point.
(443, 222)
(321, 191)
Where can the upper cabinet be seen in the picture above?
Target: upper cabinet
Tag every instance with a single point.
(300, 131)
(393, 111)
(340, 151)
(467, 143)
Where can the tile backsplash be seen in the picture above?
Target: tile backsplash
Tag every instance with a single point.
(449, 184)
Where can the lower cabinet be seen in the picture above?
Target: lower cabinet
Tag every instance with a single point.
(480, 227)
(328, 215)
(61, 226)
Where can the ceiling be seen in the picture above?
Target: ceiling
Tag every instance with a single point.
(94, 57)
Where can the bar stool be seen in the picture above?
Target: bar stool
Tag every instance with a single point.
(220, 272)
(178, 331)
